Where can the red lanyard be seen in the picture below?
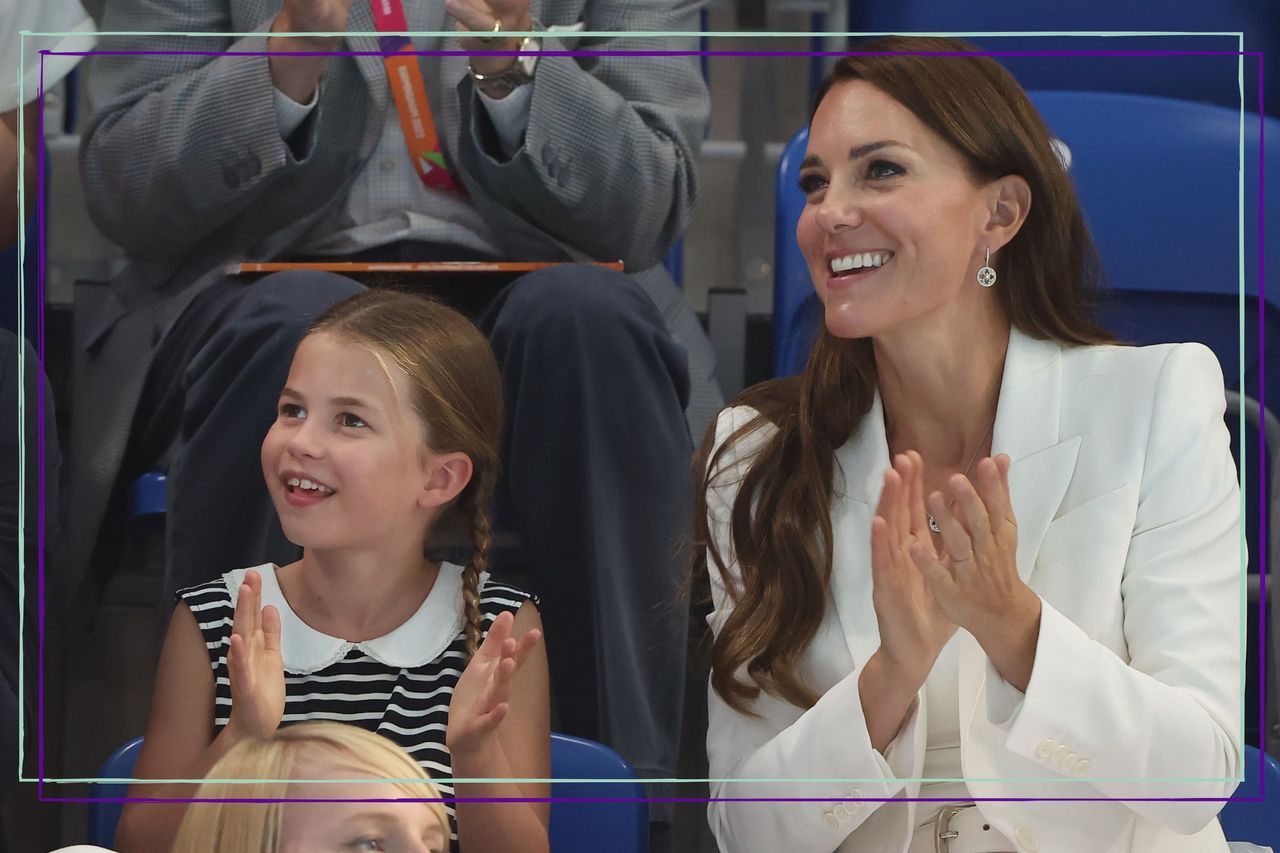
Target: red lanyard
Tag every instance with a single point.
(405, 79)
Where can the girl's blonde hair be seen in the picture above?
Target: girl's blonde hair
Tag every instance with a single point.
(231, 827)
(456, 390)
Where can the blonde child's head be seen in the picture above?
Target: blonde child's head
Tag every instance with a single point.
(447, 395)
(314, 751)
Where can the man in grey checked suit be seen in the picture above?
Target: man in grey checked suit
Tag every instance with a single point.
(195, 161)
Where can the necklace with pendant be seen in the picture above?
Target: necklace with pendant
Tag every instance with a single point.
(933, 522)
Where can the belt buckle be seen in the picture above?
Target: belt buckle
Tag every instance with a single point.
(942, 831)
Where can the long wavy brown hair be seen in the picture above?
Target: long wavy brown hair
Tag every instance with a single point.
(780, 521)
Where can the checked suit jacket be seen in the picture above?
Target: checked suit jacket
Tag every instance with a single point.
(184, 166)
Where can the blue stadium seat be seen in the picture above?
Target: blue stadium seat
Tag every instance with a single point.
(148, 495)
(1257, 822)
(589, 817)
(796, 310)
(594, 816)
(103, 816)
(1210, 79)
(674, 262)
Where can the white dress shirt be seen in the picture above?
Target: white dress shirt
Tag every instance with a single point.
(388, 201)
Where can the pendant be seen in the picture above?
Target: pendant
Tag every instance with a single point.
(933, 524)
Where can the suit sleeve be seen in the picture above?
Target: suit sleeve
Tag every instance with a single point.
(1165, 723)
(179, 144)
(608, 159)
(783, 751)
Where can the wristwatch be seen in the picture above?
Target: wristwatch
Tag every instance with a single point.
(503, 83)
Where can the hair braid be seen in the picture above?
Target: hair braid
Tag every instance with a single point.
(481, 540)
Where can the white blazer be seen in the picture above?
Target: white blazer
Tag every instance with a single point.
(1128, 513)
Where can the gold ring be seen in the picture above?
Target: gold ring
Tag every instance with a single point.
(497, 27)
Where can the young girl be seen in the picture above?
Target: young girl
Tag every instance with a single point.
(388, 427)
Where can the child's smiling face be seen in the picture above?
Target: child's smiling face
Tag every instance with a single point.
(346, 461)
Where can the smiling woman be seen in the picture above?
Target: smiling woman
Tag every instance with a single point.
(905, 545)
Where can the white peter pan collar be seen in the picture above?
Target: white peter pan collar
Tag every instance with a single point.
(418, 641)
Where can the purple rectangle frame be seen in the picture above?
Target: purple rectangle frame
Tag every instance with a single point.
(40, 407)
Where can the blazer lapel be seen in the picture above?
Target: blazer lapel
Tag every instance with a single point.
(861, 464)
(1026, 429)
(1042, 463)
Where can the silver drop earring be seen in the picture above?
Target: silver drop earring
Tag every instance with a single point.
(986, 275)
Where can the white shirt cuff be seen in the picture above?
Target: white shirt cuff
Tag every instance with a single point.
(510, 116)
(1004, 701)
(290, 113)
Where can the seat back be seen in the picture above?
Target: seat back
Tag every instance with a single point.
(1256, 822)
(104, 816)
(796, 309)
(1209, 78)
(595, 816)
(592, 816)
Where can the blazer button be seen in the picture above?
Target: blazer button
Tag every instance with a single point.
(831, 819)
(1045, 748)
(1059, 752)
(1068, 763)
(1026, 839)
(1082, 767)
(841, 813)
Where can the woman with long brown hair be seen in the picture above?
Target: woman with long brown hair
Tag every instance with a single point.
(977, 551)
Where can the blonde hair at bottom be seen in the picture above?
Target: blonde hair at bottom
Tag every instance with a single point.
(231, 827)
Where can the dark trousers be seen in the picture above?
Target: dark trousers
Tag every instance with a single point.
(595, 472)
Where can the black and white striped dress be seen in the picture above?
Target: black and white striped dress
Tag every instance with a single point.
(398, 685)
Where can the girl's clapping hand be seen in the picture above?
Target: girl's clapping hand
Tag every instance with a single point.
(480, 699)
(254, 663)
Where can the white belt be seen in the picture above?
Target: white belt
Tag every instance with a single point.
(960, 829)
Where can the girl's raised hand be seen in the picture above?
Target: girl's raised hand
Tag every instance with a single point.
(913, 626)
(479, 702)
(254, 663)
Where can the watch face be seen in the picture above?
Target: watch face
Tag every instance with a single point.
(502, 83)
(530, 60)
